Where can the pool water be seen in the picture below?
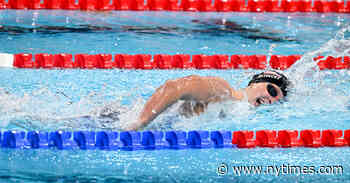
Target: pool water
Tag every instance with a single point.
(166, 32)
(75, 99)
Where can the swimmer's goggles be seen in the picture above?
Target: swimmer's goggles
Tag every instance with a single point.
(271, 90)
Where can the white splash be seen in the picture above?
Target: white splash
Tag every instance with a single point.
(46, 110)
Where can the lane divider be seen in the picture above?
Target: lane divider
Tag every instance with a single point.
(151, 140)
(163, 61)
(323, 6)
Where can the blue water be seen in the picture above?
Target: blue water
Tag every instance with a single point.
(61, 99)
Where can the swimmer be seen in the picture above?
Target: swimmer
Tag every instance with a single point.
(214, 27)
(197, 92)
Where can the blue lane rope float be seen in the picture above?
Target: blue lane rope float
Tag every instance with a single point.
(155, 140)
(130, 140)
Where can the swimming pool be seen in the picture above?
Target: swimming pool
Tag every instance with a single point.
(50, 100)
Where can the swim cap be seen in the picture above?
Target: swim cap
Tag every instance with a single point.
(272, 77)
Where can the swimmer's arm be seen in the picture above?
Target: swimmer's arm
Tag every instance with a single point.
(190, 87)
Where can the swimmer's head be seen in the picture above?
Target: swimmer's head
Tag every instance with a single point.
(267, 87)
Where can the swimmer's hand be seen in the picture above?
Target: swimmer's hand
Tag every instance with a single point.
(135, 126)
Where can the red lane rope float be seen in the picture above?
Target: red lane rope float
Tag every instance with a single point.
(162, 61)
(291, 138)
(323, 6)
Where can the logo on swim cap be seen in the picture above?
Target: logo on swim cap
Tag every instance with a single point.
(272, 77)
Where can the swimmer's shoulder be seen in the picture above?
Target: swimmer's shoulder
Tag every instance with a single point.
(218, 81)
(219, 86)
(213, 82)
(212, 78)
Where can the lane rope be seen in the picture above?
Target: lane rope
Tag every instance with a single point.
(154, 140)
(322, 6)
(163, 61)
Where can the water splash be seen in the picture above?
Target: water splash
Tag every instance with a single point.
(313, 92)
(308, 79)
(46, 110)
(339, 46)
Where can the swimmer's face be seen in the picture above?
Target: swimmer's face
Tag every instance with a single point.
(264, 93)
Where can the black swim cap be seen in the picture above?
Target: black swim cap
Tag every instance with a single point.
(272, 77)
